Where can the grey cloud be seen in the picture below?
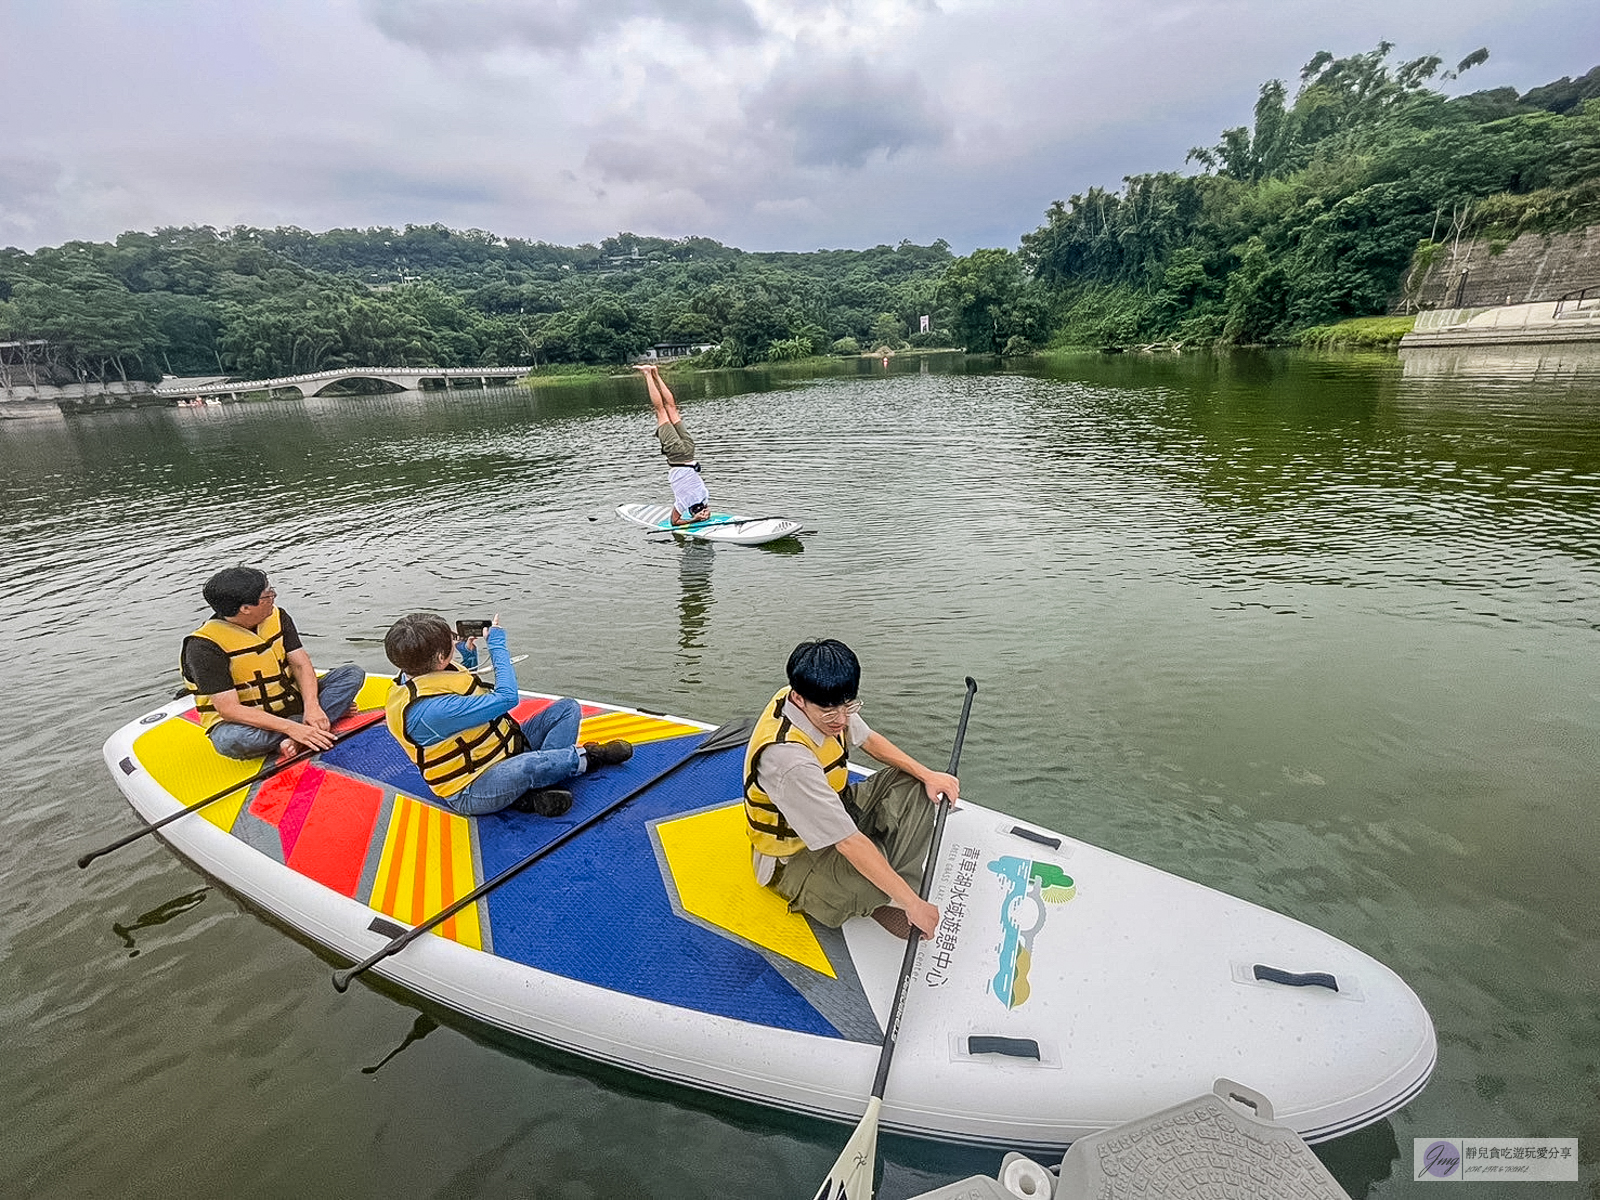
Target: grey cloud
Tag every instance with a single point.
(842, 113)
(445, 26)
(29, 191)
(623, 160)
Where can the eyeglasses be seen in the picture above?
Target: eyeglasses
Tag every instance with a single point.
(834, 711)
(267, 596)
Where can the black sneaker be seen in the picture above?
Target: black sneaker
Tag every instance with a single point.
(607, 754)
(546, 802)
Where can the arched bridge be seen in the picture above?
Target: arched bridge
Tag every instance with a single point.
(405, 378)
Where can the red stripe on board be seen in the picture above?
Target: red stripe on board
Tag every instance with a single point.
(336, 833)
(299, 807)
(526, 709)
(272, 800)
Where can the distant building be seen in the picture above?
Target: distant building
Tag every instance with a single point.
(15, 354)
(677, 349)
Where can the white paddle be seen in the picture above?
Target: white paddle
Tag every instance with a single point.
(851, 1177)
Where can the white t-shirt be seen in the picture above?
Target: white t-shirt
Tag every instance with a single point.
(687, 488)
(792, 776)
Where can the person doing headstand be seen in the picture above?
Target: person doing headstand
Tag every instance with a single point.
(690, 500)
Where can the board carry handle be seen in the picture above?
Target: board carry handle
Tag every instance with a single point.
(988, 1043)
(1296, 979)
(1232, 1092)
(266, 772)
(1041, 838)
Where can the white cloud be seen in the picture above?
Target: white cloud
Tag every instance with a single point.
(763, 123)
(489, 26)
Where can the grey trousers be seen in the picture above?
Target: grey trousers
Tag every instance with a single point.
(336, 691)
(892, 809)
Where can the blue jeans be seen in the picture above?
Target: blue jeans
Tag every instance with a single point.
(553, 737)
(336, 691)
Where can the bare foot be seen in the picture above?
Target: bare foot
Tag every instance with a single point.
(287, 748)
(894, 920)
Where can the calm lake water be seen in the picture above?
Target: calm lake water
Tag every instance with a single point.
(1320, 632)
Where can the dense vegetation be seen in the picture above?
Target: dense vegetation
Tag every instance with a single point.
(260, 303)
(1311, 215)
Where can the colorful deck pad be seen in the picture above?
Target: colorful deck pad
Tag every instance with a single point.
(657, 901)
(718, 527)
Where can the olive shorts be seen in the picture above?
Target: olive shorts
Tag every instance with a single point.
(676, 444)
(892, 809)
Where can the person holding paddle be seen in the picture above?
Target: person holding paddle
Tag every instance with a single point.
(835, 849)
(690, 500)
(460, 733)
(253, 682)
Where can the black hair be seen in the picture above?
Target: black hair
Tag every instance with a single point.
(824, 672)
(231, 588)
(416, 640)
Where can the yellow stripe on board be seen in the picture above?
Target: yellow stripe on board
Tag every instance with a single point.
(181, 759)
(632, 727)
(427, 866)
(373, 692)
(708, 854)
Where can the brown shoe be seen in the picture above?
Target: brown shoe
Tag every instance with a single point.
(894, 920)
(546, 802)
(607, 754)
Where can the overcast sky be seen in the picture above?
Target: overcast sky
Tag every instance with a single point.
(765, 124)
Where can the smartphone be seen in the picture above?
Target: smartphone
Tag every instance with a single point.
(468, 629)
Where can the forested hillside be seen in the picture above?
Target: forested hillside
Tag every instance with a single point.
(260, 303)
(1312, 214)
(1315, 212)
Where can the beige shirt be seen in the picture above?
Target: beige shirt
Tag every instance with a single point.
(793, 777)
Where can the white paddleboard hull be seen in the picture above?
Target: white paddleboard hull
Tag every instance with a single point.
(1138, 993)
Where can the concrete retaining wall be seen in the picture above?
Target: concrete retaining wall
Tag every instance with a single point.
(1508, 324)
(1533, 268)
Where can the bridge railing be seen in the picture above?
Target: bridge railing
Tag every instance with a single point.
(383, 373)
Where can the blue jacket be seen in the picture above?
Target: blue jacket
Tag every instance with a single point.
(434, 718)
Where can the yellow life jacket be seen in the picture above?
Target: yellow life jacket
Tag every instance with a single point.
(769, 832)
(259, 665)
(452, 764)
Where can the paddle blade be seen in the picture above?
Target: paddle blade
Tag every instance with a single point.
(735, 733)
(851, 1177)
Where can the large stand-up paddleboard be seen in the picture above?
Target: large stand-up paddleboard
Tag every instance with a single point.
(1067, 990)
(718, 527)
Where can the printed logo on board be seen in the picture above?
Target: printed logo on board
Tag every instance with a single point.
(1031, 888)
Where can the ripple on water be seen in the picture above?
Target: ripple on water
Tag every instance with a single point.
(1320, 636)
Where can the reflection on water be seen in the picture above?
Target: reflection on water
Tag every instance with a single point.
(695, 560)
(420, 1028)
(159, 915)
(1509, 368)
(1317, 630)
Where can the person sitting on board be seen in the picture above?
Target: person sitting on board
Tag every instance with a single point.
(835, 849)
(690, 500)
(459, 731)
(253, 682)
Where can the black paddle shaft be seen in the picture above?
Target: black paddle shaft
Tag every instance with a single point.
(733, 733)
(902, 989)
(266, 772)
